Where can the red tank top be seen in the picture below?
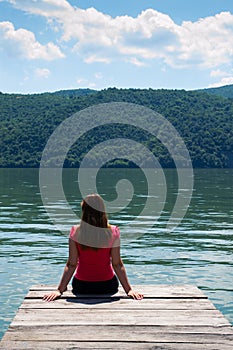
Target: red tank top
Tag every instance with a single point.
(95, 265)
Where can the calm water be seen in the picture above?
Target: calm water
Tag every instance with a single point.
(199, 251)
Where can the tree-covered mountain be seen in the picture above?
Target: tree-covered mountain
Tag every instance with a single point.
(204, 121)
(225, 91)
(73, 93)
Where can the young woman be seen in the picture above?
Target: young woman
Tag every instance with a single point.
(94, 255)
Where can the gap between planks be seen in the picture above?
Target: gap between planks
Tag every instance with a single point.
(170, 317)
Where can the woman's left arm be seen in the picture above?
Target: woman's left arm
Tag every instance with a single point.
(120, 271)
(67, 274)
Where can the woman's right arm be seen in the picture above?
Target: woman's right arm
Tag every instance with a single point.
(67, 274)
(120, 271)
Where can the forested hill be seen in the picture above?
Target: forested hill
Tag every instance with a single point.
(225, 91)
(73, 93)
(204, 121)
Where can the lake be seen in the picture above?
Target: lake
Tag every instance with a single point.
(198, 251)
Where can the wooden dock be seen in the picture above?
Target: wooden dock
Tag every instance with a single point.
(170, 317)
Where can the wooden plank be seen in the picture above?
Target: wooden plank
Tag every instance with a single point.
(149, 291)
(114, 333)
(170, 317)
(45, 345)
(147, 288)
(121, 303)
(119, 317)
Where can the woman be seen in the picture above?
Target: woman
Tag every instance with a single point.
(94, 255)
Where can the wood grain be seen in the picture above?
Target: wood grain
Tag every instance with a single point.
(170, 317)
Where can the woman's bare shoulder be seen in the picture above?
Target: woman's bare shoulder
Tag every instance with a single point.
(74, 231)
(115, 231)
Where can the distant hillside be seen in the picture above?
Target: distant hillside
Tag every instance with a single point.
(225, 91)
(74, 93)
(204, 121)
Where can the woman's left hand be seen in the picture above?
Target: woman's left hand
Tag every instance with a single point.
(135, 295)
(52, 296)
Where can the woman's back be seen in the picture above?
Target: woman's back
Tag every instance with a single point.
(94, 264)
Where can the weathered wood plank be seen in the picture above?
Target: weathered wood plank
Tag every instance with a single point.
(111, 345)
(147, 288)
(149, 291)
(121, 303)
(119, 317)
(170, 317)
(114, 333)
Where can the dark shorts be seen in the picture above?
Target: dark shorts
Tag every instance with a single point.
(101, 287)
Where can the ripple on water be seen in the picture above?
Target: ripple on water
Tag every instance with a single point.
(198, 251)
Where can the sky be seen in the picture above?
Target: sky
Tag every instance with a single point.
(50, 45)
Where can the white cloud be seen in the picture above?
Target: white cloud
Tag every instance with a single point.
(96, 58)
(209, 41)
(218, 73)
(22, 43)
(223, 82)
(98, 75)
(136, 62)
(151, 35)
(84, 83)
(42, 72)
(41, 7)
(81, 81)
(226, 77)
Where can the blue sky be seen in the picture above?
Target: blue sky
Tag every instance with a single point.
(49, 45)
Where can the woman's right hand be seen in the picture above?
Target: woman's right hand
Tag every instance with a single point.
(135, 295)
(52, 296)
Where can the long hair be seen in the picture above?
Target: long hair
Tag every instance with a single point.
(94, 232)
